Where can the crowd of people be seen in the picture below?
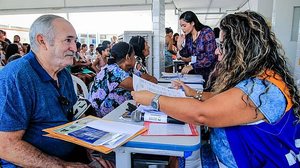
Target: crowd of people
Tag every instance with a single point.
(10, 51)
(250, 100)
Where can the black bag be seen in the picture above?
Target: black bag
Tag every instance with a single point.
(80, 108)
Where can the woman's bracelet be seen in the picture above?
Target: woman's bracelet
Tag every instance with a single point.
(199, 95)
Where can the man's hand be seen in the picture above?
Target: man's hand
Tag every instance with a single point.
(17, 151)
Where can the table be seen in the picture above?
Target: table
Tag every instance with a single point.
(183, 146)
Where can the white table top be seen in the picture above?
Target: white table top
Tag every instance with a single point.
(177, 143)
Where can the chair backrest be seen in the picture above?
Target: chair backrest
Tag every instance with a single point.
(77, 81)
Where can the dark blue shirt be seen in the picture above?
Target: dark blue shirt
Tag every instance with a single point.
(29, 100)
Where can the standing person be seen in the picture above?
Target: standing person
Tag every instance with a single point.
(36, 92)
(142, 50)
(113, 83)
(196, 45)
(254, 107)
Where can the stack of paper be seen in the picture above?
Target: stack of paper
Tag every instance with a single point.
(95, 133)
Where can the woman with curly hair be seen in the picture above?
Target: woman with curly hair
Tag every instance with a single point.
(253, 108)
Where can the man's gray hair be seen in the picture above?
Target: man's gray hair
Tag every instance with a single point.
(42, 25)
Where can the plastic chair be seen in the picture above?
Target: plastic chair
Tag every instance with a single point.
(77, 81)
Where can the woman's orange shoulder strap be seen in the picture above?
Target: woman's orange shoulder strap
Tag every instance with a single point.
(277, 81)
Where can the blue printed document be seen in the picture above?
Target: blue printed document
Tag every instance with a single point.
(96, 137)
(88, 134)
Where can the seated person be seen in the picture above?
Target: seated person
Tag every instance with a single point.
(81, 66)
(12, 49)
(141, 49)
(113, 83)
(101, 58)
(36, 92)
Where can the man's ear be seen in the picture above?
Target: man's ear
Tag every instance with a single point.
(41, 41)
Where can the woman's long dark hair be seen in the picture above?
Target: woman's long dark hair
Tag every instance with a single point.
(190, 17)
(250, 48)
(138, 43)
(119, 52)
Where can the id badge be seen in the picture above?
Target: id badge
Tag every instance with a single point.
(193, 59)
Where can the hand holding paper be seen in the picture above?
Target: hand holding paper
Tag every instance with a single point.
(142, 84)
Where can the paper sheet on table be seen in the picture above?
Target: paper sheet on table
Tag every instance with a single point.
(142, 84)
(167, 129)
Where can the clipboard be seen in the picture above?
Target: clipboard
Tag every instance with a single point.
(76, 132)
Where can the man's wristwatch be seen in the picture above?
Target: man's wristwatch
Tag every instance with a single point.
(155, 103)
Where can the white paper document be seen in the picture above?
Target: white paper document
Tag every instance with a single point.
(142, 84)
(100, 132)
(117, 135)
(169, 129)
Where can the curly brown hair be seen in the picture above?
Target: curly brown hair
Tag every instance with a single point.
(249, 49)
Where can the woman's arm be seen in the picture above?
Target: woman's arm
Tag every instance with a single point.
(225, 109)
(127, 84)
(94, 65)
(149, 78)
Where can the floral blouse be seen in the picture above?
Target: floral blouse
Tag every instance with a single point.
(105, 95)
(204, 49)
